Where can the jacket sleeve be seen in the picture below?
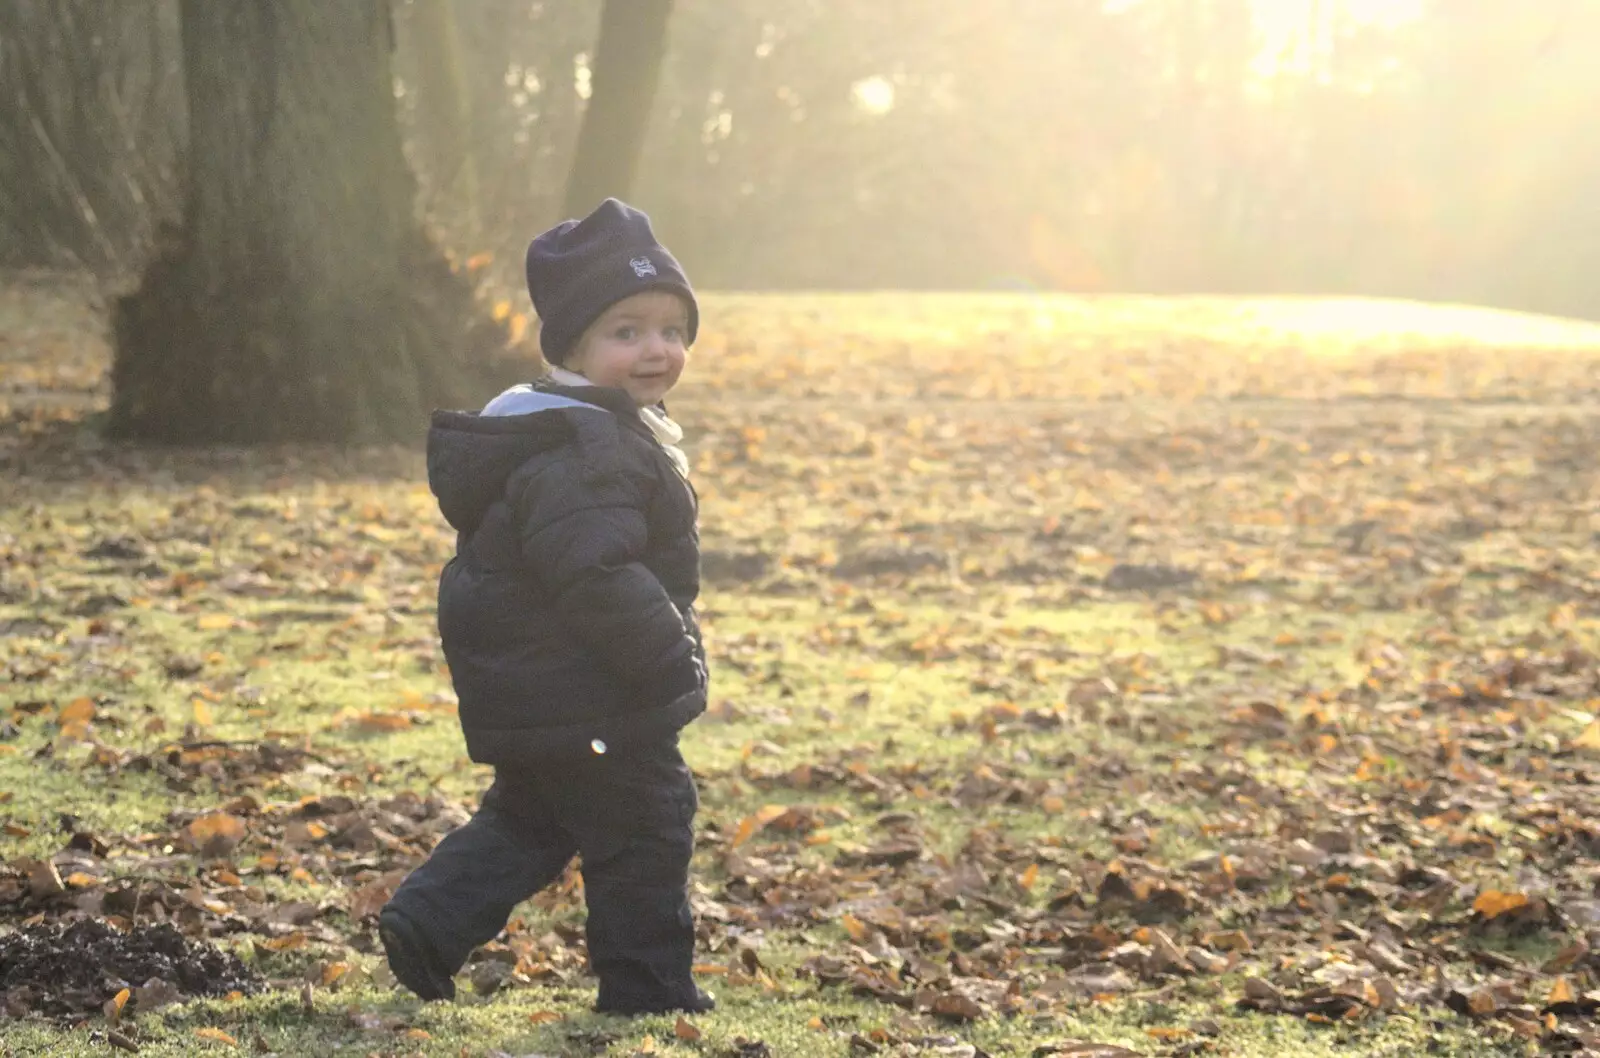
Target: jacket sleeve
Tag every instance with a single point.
(584, 539)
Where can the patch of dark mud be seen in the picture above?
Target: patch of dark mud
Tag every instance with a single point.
(68, 971)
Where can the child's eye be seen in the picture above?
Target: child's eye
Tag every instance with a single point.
(626, 334)
(673, 333)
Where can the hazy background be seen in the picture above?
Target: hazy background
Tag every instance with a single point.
(1437, 149)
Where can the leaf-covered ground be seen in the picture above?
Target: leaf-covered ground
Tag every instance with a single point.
(1092, 677)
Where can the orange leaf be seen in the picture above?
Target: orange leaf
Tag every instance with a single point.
(77, 711)
(750, 824)
(202, 712)
(685, 1031)
(1560, 992)
(216, 1035)
(770, 812)
(1492, 903)
(216, 833)
(855, 927)
(544, 1017)
(333, 971)
(1029, 876)
(1589, 738)
(747, 830)
(382, 721)
(214, 622)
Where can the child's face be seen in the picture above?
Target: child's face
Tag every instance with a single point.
(636, 345)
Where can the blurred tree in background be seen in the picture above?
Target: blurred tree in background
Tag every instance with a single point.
(1428, 148)
(298, 297)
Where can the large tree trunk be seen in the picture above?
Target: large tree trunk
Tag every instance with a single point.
(85, 137)
(626, 71)
(300, 300)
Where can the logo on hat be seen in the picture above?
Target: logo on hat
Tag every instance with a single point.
(642, 267)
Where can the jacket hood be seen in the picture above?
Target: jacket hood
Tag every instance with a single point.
(472, 454)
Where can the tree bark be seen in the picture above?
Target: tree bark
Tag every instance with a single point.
(300, 299)
(624, 77)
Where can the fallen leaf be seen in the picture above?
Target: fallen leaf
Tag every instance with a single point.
(956, 1007)
(1589, 738)
(1492, 903)
(78, 711)
(215, 834)
(114, 1005)
(44, 880)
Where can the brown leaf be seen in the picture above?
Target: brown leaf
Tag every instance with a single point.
(1384, 958)
(956, 1007)
(685, 1031)
(1262, 991)
(1084, 1049)
(215, 834)
(1388, 996)
(859, 931)
(370, 899)
(1232, 940)
(1165, 954)
(44, 880)
(1566, 958)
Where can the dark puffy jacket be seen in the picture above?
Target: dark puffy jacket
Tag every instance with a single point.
(567, 612)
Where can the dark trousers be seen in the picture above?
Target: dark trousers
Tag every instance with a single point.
(629, 814)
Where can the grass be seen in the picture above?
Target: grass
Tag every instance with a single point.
(1370, 503)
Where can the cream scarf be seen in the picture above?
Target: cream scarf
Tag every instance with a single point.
(668, 433)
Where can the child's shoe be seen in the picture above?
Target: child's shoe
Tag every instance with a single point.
(411, 958)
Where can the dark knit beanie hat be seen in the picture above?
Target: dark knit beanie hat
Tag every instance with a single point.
(580, 268)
